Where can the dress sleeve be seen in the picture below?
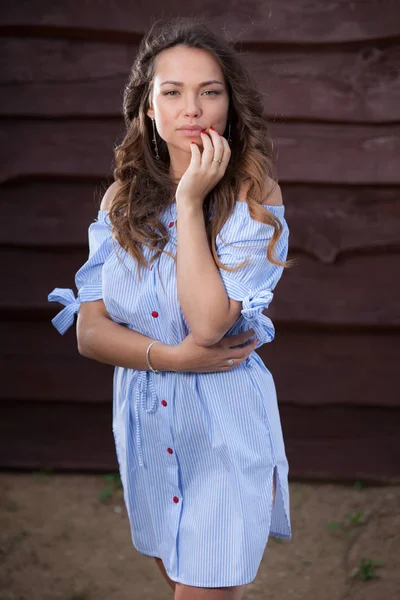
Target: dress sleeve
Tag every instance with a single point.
(88, 279)
(253, 284)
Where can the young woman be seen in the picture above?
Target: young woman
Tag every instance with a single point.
(189, 242)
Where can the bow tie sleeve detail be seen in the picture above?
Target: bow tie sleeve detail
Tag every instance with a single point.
(88, 278)
(252, 312)
(64, 319)
(253, 284)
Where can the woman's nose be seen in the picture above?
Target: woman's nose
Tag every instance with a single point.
(191, 107)
(193, 112)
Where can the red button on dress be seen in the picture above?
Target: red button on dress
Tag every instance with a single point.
(171, 224)
(170, 450)
(175, 499)
(154, 314)
(164, 402)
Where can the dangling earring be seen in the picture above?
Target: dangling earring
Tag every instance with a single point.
(229, 133)
(155, 140)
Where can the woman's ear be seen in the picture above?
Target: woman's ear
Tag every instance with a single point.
(150, 113)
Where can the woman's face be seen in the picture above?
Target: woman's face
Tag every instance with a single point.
(188, 90)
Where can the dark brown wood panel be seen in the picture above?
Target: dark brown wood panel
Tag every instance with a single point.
(307, 153)
(60, 436)
(320, 367)
(309, 367)
(49, 212)
(329, 222)
(276, 21)
(353, 291)
(59, 78)
(325, 222)
(338, 443)
(310, 153)
(331, 443)
(325, 84)
(329, 77)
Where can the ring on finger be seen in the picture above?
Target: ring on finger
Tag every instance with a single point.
(216, 160)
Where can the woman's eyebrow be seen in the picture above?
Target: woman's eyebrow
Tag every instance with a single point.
(180, 83)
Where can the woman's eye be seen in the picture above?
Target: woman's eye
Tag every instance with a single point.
(207, 92)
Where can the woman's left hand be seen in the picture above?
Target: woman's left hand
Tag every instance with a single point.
(204, 172)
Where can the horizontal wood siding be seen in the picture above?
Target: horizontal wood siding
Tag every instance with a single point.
(329, 75)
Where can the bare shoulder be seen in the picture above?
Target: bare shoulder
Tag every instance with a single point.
(273, 193)
(109, 195)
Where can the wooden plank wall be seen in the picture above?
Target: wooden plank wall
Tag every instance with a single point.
(330, 75)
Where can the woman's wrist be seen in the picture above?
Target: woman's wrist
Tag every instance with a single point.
(164, 357)
(189, 206)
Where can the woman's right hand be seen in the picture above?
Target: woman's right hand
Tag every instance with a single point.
(204, 359)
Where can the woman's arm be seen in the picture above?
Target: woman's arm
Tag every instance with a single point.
(104, 340)
(208, 310)
(201, 291)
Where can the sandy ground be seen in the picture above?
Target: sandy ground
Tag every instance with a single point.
(67, 537)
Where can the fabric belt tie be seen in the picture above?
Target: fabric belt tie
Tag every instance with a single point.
(144, 388)
(144, 385)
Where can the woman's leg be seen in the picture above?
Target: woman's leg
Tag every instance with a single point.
(160, 565)
(188, 592)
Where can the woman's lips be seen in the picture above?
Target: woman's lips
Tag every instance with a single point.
(190, 132)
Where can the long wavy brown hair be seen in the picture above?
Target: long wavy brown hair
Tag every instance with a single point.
(141, 177)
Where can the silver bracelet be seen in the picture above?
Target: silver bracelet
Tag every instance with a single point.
(148, 360)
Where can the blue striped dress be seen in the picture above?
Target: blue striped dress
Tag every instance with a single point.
(196, 451)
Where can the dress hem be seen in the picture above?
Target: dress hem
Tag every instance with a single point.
(282, 536)
(197, 584)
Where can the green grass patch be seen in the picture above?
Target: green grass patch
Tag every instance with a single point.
(366, 569)
(12, 506)
(44, 475)
(83, 595)
(347, 526)
(114, 485)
